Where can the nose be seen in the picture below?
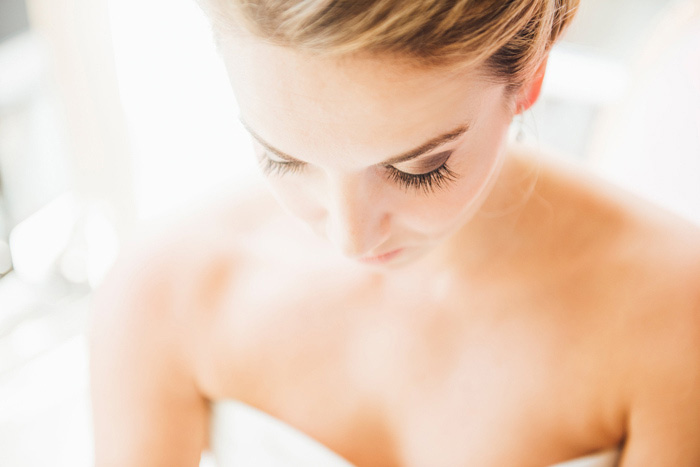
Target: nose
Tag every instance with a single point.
(356, 221)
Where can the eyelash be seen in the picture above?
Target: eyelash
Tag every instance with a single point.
(428, 182)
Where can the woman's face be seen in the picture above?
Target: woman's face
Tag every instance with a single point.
(373, 155)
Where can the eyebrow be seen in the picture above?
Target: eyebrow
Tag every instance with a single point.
(405, 157)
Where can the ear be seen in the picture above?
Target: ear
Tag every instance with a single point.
(530, 91)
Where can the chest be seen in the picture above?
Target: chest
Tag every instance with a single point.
(416, 374)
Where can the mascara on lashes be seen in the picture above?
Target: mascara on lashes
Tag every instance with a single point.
(428, 181)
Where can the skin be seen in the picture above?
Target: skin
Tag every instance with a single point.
(535, 315)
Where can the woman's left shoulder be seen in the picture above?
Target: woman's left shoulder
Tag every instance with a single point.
(660, 342)
(644, 252)
(656, 252)
(663, 251)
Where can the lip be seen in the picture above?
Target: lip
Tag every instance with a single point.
(381, 259)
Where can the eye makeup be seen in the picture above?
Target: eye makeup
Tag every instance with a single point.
(271, 167)
(426, 175)
(426, 164)
(428, 179)
(427, 182)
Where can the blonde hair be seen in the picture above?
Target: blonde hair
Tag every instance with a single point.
(510, 37)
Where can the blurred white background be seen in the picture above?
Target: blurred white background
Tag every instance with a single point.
(114, 114)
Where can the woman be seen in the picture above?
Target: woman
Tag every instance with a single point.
(448, 299)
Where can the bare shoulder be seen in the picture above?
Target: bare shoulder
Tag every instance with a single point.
(661, 344)
(194, 254)
(606, 222)
(150, 317)
(647, 254)
(637, 268)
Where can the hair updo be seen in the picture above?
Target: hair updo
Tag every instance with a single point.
(510, 37)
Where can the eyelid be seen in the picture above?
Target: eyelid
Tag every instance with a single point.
(422, 164)
(277, 158)
(427, 182)
(425, 164)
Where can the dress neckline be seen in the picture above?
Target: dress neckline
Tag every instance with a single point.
(237, 428)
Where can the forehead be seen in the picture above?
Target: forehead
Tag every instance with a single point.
(374, 106)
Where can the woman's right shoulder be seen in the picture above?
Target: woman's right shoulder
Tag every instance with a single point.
(179, 253)
(150, 331)
(147, 401)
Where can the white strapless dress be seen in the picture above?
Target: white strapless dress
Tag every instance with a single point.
(242, 436)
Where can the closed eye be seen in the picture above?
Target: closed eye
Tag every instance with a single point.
(277, 167)
(427, 182)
